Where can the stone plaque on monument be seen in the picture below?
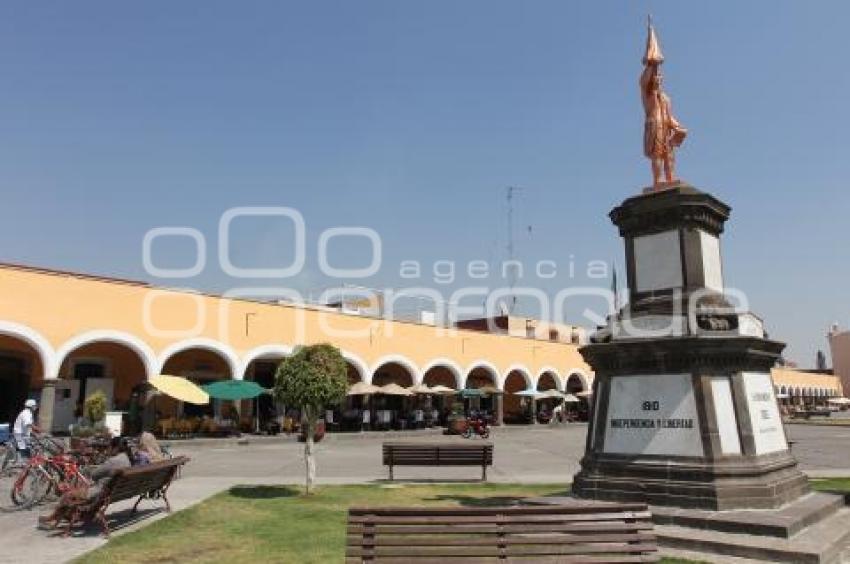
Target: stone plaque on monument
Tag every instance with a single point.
(653, 414)
(724, 414)
(768, 433)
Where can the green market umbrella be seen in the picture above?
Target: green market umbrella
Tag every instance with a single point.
(234, 390)
(471, 393)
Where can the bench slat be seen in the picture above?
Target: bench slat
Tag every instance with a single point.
(597, 507)
(462, 540)
(507, 529)
(564, 559)
(509, 550)
(501, 517)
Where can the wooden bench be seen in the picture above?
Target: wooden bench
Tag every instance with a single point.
(439, 454)
(150, 481)
(534, 534)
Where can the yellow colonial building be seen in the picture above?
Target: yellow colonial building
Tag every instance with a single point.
(65, 334)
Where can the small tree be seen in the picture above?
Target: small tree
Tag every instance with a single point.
(310, 379)
(94, 408)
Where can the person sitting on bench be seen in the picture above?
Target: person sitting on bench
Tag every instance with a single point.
(120, 456)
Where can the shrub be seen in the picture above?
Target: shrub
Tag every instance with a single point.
(94, 408)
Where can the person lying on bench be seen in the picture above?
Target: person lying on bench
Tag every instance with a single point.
(148, 451)
(119, 458)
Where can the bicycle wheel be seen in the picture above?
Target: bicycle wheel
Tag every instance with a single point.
(30, 487)
(55, 477)
(8, 461)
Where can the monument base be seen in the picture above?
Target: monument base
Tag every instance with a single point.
(770, 482)
(813, 529)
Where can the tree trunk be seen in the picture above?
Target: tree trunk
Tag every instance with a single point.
(309, 455)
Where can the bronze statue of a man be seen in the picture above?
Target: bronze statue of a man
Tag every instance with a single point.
(661, 133)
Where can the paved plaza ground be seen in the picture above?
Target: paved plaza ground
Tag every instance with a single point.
(528, 454)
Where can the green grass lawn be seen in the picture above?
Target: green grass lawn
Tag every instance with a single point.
(834, 485)
(278, 524)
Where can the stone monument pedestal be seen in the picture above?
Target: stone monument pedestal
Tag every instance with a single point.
(685, 416)
(688, 422)
(685, 412)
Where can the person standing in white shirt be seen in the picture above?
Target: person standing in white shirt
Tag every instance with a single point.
(24, 425)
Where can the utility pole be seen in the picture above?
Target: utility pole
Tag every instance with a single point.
(512, 272)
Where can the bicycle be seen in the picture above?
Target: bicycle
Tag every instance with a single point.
(10, 460)
(44, 474)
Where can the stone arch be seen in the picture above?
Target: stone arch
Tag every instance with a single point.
(114, 362)
(522, 371)
(356, 368)
(581, 376)
(559, 380)
(144, 352)
(210, 345)
(392, 368)
(202, 361)
(575, 384)
(37, 342)
(516, 408)
(449, 367)
(479, 370)
(26, 361)
(264, 352)
(548, 380)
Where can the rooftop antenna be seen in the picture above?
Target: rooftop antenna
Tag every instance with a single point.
(512, 270)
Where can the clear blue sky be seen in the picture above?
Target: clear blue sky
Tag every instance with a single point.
(412, 118)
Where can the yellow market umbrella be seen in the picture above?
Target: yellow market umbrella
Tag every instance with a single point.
(180, 389)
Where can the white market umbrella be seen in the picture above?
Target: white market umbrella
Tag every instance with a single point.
(782, 396)
(533, 394)
(420, 389)
(442, 390)
(394, 390)
(362, 389)
(585, 394)
(552, 394)
(569, 398)
(839, 401)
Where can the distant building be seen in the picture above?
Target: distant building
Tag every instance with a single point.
(805, 387)
(839, 345)
(517, 326)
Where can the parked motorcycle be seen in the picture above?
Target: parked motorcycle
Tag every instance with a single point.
(476, 426)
